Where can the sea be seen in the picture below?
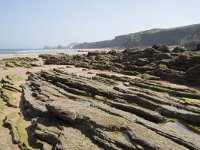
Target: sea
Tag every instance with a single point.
(34, 51)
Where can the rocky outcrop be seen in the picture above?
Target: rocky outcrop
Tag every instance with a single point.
(192, 74)
(109, 111)
(25, 62)
(8, 88)
(157, 61)
(16, 124)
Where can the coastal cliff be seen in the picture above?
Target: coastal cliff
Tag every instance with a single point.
(172, 36)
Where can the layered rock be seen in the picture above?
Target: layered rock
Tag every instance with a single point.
(157, 61)
(109, 111)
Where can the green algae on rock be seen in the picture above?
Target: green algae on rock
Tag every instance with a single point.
(8, 88)
(2, 105)
(18, 62)
(8, 98)
(15, 123)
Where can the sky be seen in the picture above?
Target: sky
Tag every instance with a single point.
(36, 23)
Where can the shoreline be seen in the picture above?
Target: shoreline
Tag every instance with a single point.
(2, 56)
(48, 51)
(56, 51)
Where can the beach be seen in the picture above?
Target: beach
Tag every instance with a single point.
(7, 108)
(21, 72)
(61, 99)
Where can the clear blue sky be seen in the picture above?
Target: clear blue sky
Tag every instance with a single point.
(35, 23)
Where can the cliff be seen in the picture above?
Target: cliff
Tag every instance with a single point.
(172, 36)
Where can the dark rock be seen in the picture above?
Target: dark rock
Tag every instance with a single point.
(198, 47)
(161, 48)
(95, 53)
(112, 52)
(131, 51)
(178, 50)
(193, 74)
(163, 56)
(141, 62)
(135, 61)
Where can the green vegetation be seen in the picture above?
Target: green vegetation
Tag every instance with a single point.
(6, 80)
(2, 106)
(18, 62)
(13, 78)
(189, 100)
(8, 98)
(7, 90)
(17, 128)
(45, 56)
(11, 88)
(115, 133)
(193, 128)
(152, 31)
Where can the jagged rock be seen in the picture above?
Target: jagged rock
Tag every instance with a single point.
(141, 62)
(178, 50)
(193, 74)
(130, 51)
(163, 56)
(161, 48)
(95, 53)
(117, 112)
(112, 52)
(136, 61)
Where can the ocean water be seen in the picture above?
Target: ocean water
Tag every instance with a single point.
(34, 51)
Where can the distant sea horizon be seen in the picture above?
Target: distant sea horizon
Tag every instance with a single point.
(33, 51)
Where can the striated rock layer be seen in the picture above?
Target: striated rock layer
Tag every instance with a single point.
(178, 65)
(111, 112)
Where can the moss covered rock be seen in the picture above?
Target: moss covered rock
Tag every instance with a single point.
(17, 128)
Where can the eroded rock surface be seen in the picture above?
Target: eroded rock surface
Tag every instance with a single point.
(177, 65)
(111, 112)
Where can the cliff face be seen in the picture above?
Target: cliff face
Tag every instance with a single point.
(192, 41)
(173, 36)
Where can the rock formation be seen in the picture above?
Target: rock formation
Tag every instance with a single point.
(111, 111)
(119, 100)
(157, 61)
